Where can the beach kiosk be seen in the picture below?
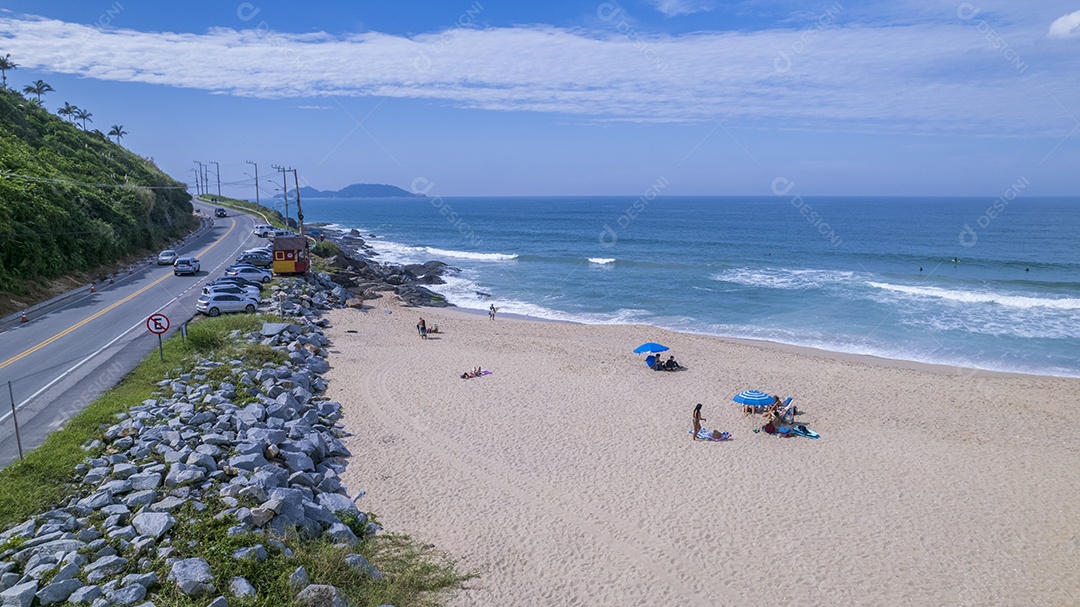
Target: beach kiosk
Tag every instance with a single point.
(291, 255)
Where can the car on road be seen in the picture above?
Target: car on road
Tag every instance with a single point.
(186, 265)
(166, 257)
(250, 273)
(216, 303)
(232, 290)
(220, 212)
(262, 230)
(259, 259)
(235, 281)
(279, 232)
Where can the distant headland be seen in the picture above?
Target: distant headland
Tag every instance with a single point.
(356, 190)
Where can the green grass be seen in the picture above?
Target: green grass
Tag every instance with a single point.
(415, 574)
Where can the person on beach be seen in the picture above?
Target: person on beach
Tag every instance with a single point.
(671, 365)
(491, 312)
(697, 420)
(421, 328)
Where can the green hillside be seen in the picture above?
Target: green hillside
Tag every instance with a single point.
(71, 200)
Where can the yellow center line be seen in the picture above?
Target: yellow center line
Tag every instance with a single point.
(50, 340)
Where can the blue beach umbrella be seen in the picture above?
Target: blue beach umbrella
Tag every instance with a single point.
(756, 398)
(650, 347)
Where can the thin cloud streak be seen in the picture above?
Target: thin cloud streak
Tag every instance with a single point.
(920, 78)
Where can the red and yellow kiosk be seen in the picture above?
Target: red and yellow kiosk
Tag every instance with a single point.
(291, 255)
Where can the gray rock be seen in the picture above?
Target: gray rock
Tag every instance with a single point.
(140, 498)
(94, 501)
(128, 595)
(340, 534)
(67, 571)
(170, 502)
(193, 576)
(86, 594)
(153, 524)
(298, 580)
(145, 580)
(361, 564)
(57, 592)
(320, 595)
(256, 552)
(336, 502)
(104, 567)
(7, 580)
(144, 481)
(240, 587)
(53, 547)
(219, 602)
(19, 595)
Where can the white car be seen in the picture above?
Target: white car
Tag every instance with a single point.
(263, 230)
(246, 291)
(216, 303)
(166, 257)
(250, 273)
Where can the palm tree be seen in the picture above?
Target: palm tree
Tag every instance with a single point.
(39, 88)
(83, 115)
(118, 132)
(6, 64)
(68, 111)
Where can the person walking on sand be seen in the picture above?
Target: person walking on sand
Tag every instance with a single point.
(491, 312)
(421, 328)
(697, 420)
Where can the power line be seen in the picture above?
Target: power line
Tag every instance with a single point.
(30, 178)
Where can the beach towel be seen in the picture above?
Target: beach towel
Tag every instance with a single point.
(706, 434)
(485, 372)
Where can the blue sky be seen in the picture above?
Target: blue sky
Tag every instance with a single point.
(903, 97)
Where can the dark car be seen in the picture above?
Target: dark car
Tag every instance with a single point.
(235, 280)
(260, 259)
(220, 212)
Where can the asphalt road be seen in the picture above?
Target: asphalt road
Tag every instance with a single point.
(60, 362)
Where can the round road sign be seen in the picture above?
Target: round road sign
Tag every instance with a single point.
(157, 323)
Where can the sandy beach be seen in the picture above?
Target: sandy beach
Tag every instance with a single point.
(568, 476)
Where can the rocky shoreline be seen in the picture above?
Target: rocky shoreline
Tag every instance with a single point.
(366, 278)
(258, 447)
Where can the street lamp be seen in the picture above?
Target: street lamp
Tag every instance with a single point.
(256, 165)
(198, 179)
(217, 174)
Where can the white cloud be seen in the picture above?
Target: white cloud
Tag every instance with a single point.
(315, 107)
(929, 77)
(1066, 26)
(674, 8)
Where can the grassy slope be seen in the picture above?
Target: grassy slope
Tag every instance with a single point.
(51, 223)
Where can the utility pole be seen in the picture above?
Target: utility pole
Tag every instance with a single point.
(299, 211)
(217, 173)
(284, 191)
(196, 171)
(256, 164)
(198, 179)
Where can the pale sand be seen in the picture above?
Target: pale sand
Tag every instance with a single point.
(568, 476)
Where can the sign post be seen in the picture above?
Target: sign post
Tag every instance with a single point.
(158, 323)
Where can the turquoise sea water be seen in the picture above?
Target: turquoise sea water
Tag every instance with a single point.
(837, 273)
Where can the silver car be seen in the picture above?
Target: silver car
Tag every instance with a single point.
(245, 291)
(216, 303)
(250, 273)
(166, 257)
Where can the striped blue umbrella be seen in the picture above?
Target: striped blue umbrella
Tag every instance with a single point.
(756, 398)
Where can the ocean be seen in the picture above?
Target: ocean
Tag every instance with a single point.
(978, 283)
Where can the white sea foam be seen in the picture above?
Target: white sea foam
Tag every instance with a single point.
(1003, 299)
(602, 260)
(470, 255)
(783, 278)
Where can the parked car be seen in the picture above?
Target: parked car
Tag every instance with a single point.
(186, 265)
(166, 257)
(220, 212)
(216, 303)
(235, 280)
(279, 232)
(232, 290)
(263, 230)
(250, 272)
(260, 259)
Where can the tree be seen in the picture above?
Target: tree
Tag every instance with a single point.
(39, 88)
(118, 132)
(6, 64)
(83, 115)
(68, 111)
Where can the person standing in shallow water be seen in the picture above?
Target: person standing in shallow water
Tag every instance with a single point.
(697, 420)
(491, 312)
